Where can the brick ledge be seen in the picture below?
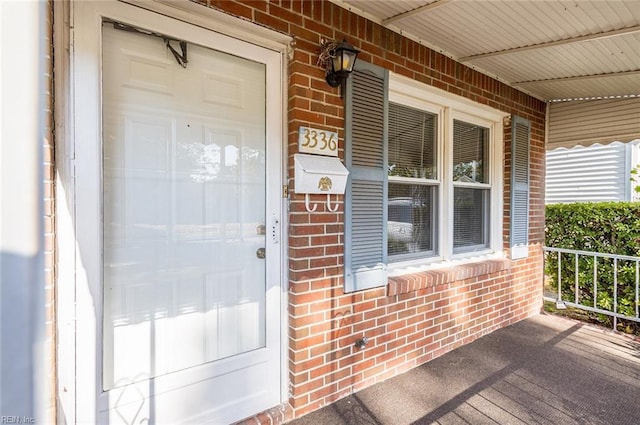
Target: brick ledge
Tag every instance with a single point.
(403, 284)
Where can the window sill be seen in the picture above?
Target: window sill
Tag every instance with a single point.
(441, 275)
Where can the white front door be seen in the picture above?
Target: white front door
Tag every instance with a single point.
(181, 190)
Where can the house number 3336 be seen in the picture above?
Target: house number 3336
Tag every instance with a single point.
(313, 140)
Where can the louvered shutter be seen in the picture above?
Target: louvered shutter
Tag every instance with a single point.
(520, 140)
(366, 158)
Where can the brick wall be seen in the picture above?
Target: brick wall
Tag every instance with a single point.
(415, 318)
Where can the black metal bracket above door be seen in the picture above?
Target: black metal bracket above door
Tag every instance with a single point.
(181, 58)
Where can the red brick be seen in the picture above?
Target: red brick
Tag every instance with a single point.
(272, 21)
(426, 314)
(233, 8)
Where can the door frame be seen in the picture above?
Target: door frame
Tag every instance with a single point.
(79, 304)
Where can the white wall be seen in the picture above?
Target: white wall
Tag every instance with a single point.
(22, 362)
(590, 174)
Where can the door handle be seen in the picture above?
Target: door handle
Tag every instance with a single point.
(261, 253)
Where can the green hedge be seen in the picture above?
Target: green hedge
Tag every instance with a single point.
(611, 227)
(608, 227)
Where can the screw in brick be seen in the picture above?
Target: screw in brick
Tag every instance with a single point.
(362, 342)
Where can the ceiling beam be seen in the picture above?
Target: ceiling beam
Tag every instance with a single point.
(580, 39)
(416, 11)
(578, 78)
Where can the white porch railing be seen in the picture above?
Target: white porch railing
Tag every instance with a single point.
(577, 302)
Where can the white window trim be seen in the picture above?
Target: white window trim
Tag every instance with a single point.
(448, 107)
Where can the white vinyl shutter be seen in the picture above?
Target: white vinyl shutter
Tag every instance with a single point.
(366, 158)
(520, 141)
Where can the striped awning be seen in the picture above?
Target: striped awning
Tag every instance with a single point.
(593, 121)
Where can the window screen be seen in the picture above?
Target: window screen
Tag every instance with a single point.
(471, 192)
(412, 194)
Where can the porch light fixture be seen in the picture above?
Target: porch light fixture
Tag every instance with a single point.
(337, 59)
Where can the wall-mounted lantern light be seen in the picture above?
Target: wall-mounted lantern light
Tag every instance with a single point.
(337, 59)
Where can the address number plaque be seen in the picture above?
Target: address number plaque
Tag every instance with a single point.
(313, 140)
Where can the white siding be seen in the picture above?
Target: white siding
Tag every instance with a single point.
(591, 174)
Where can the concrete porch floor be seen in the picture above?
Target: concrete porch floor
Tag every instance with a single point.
(543, 370)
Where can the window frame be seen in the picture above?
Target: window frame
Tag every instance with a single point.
(470, 119)
(436, 182)
(449, 107)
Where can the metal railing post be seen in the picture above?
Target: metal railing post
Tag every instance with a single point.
(576, 288)
(615, 293)
(637, 285)
(559, 276)
(595, 282)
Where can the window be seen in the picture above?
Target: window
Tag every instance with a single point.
(444, 177)
(412, 183)
(471, 188)
(426, 177)
(415, 184)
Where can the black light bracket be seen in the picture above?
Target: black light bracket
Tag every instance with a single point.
(338, 79)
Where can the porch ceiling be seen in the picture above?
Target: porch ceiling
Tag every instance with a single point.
(552, 49)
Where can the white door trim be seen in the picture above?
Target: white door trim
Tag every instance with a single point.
(79, 308)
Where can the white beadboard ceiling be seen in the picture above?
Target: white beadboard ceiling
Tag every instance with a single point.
(552, 49)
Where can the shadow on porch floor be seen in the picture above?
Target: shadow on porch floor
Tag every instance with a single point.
(544, 370)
